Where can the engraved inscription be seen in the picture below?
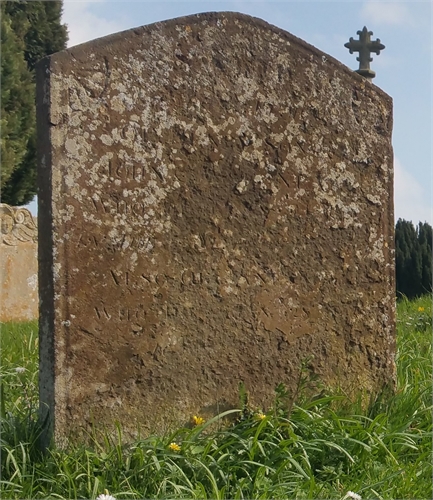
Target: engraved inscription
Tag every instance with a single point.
(120, 278)
(114, 204)
(87, 241)
(121, 314)
(133, 131)
(189, 277)
(113, 245)
(123, 279)
(125, 171)
(132, 314)
(101, 313)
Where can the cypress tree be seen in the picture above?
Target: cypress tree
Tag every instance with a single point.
(425, 237)
(17, 108)
(413, 259)
(30, 30)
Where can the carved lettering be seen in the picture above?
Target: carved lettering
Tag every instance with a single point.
(100, 205)
(126, 279)
(86, 241)
(113, 245)
(123, 314)
(189, 277)
(143, 281)
(116, 205)
(133, 131)
(102, 313)
(118, 169)
(132, 314)
(115, 278)
(160, 279)
(120, 278)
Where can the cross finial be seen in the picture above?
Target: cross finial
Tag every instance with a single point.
(364, 46)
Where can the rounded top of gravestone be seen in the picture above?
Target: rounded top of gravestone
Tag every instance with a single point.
(229, 24)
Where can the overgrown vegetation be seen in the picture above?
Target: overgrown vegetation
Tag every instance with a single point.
(322, 447)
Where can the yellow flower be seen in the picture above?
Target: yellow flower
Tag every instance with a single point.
(197, 420)
(420, 309)
(260, 416)
(174, 447)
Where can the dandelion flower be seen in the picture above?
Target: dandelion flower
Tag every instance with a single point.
(20, 369)
(197, 420)
(260, 416)
(420, 309)
(351, 494)
(174, 447)
(105, 496)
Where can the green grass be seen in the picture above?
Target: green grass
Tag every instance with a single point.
(318, 448)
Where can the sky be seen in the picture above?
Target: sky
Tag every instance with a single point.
(403, 69)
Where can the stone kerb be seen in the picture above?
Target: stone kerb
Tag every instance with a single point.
(216, 197)
(18, 265)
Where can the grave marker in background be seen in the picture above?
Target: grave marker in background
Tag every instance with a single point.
(18, 265)
(216, 197)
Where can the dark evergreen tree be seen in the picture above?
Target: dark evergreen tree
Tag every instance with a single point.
(425, 237)
(38, 24)
(17, 109)
(30, 30)
(413, 259)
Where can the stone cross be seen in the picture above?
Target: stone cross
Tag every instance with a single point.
(364, 46)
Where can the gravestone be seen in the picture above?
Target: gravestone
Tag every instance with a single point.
(216, 200)
(18, 265)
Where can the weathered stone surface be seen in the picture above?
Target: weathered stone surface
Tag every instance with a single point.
(216, 200)
(18, 265)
